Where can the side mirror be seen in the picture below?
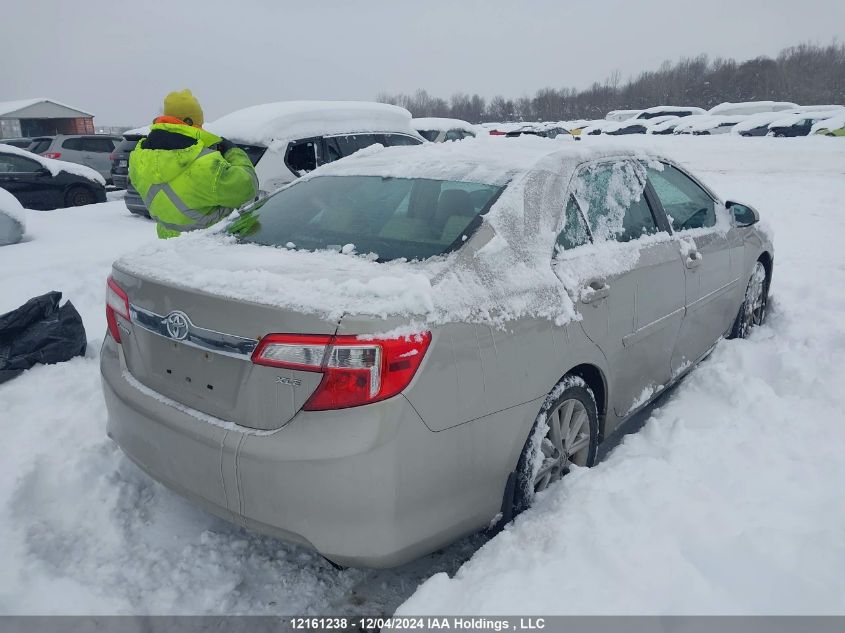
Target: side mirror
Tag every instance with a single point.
(743, 214)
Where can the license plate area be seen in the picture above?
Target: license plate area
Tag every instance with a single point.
(122, 163)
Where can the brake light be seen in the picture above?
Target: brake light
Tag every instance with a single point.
(111, 156)
(116, 303)
(497, 133)
(52, 154)
(355, 370)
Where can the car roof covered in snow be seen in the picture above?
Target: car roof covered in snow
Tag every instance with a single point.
(751, 107)
(442, 124)
(55, 166)
(833, 123)
(670, 109)
(792, 119)
(274, 124)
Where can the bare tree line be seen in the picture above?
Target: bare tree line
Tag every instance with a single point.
(805, 74)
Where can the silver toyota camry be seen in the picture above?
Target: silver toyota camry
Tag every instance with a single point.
(406, 346)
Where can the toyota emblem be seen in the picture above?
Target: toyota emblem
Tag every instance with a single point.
(177, 325)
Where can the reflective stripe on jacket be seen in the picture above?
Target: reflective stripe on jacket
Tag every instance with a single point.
(185, 184)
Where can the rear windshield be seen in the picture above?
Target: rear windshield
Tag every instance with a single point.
(394, 218)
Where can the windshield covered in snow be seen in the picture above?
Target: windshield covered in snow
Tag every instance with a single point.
(393, 218)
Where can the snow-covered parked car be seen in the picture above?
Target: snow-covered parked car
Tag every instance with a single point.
(751, 107)
(708, 124)
(636, 126)
(46, 183)
(438, 130)
(834, 126)
(798, 124)
(663, 111)
(12, 219)
(287, 139)
(403, 347)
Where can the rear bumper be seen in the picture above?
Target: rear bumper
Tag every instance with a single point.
(365, 487)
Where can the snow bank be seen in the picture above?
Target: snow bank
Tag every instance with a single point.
(502, 273)
(275, 124)
(56, 166)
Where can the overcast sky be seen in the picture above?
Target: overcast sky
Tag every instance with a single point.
(118, 59)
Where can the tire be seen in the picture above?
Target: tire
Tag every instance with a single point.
(533, 474)
(752, 312)
(79, 196)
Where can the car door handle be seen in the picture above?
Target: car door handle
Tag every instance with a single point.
(693, 259)
(595, 291)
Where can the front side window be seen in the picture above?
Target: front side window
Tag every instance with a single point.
(454, 135)
(410, 218)
(612, 197)
(574, 231)
(10, 163)
(687, 205)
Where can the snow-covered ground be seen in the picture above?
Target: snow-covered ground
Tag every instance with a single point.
(729, 500)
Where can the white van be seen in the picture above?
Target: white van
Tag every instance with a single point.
(751, 107)
(287, 139)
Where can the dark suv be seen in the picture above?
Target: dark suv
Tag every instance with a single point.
(120, 174)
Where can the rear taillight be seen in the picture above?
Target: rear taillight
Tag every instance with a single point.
(111, 156)
(116, 303)
(355, 370)
(497, 133)
(52, 154)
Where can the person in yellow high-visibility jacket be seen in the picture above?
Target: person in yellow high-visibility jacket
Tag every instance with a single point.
(189, 178)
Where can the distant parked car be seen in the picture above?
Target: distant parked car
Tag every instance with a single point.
(797, 124)
(120, 172)
(636, 126)
(23, 142)
(662, 111)
(91, 150)
(751, 107)
(707, 124)
(438, 130)
(288, 385)
(666, 127)
(43, 183)
(834, 126)
(288, 139)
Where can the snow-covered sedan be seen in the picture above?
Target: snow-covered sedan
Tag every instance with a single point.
(405, 346)
(46, 183)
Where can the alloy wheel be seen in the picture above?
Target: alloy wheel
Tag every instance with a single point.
(567, 442)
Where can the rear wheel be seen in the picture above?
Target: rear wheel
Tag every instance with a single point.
(78, 196)
(564, 434)
(752, 312)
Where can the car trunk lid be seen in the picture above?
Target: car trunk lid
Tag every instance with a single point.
(194, 347)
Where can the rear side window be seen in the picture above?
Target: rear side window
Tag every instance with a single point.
(98, 145)
(40, 145)
(253, 152)
(410, 218)
(302, 156)
(574, 231)
(72, 144)
(612, 197)
(687, 205)
(429, 135)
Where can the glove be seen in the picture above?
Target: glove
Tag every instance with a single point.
(225, 145)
